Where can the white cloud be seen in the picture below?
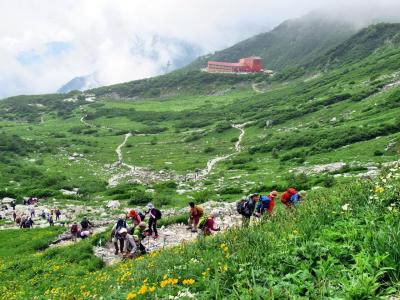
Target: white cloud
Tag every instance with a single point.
(123, 40)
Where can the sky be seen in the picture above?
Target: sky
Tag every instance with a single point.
(46, 43)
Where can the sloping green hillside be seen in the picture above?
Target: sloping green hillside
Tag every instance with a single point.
(342, 242)
(290, 44)
(346, 113)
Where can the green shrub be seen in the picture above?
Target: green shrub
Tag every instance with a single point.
(140, 198)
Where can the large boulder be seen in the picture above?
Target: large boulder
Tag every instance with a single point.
(113, 204)
(7, 200)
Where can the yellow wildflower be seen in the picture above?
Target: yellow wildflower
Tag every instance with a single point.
(143, 290)
(131, 296)
(188, 281)
(152, 289)
(164, 283)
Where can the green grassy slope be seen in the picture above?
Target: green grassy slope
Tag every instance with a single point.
(341, 242)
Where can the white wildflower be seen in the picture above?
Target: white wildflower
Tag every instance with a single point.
(345, 207)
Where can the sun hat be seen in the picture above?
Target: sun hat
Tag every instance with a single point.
(274, 194)
(123, 230)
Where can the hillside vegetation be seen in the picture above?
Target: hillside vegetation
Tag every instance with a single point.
(341, 242)
(319, 127)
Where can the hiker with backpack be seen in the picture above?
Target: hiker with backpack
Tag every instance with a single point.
(290, 197)
(266, 203)
(85, 224)
(195, 213)
(135, 217)
(75, 231)
(155, 215)
(116, 237)
(130, 243)
(50, 220)
(246, 208)
(208, 225)
(58, 214)
(139, 233)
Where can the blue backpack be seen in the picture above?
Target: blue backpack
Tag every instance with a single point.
(263, 204)
(295, 198)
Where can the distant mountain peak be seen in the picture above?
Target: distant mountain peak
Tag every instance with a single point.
(80, 83)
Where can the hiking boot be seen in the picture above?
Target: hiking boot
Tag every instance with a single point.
(194, 230)
(116, 252)
(189, 227)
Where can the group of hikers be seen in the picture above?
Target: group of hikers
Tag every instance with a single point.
(127, 240)
(130, 238)
(82, 230)
(26, 220)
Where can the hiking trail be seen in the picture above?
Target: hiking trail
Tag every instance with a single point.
(140, 174)
(212, 162)
(84, 122)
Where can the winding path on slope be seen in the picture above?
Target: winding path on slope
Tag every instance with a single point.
(84, 122)
(212, 162)
(140, 173)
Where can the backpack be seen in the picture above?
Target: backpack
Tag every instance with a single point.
(74, 228)
(266, 201)
(142, 216)
(120, 224)
(295, 198)
(84, 224)
(200, 210)
(242, 207)
(202, 222)
(157, 214)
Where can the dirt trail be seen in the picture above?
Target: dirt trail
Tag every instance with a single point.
(119, 152)
(84, 122)
(140, 174)
(256, 89)
(238, 148)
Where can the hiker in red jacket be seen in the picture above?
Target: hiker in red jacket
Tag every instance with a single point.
(286, 197)
(135, 217)
(210, 224)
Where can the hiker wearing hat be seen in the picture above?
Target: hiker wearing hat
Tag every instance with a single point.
(129, 241)
(246, 207)
(154, 216)
(116, 237)
(135, 217)
(210, 224)
(139, 234)
(195, 213)
(266, 203)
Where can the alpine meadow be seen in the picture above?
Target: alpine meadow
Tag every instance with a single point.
(322, 118)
